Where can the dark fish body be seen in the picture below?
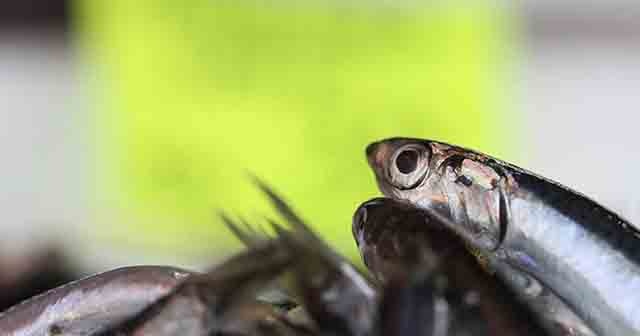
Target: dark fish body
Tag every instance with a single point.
(578, 250)
(418, 306)
(397, 240)
(91, 305)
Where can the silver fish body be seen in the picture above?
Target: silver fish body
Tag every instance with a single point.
(91, 305)
(579, 250)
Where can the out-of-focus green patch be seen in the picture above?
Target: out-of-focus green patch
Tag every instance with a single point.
(195, 94)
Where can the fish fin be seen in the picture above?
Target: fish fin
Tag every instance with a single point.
(303, 232)
(313, 269)
(244, 234)
(319, 270)
(281, 206)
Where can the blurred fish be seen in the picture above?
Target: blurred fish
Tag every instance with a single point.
(159, 300)
(91, 305)
(337, 297)
(334, 298)
(221, 301)
(24, 275)
(226, 300)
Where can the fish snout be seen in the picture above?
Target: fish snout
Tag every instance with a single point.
(372, 148)
(378, 154)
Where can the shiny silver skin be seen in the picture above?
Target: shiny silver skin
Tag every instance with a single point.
(554, 314)
(91, 305)
(577, 249)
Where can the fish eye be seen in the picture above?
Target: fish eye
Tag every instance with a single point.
(407, 161)
(408, 166)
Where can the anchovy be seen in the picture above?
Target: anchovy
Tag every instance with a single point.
(576, 248)
(233, 298)
(91, 305)
(218, 302)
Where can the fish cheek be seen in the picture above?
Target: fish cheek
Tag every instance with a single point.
(474, 206)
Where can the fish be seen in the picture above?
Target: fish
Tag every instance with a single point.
(340, 299)
(398, 241)
(163, 300)
(529, 228)
(32, 272)
(336, 297)
(220, 301)
(242, 295)
(93, 304)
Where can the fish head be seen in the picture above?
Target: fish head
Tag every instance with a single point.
(394, 238)
(459, 187)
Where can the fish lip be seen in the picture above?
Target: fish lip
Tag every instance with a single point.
(372, 148)
(377, 155)
(359, 218)
(378, 152)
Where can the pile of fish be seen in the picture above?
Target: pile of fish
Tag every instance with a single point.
(461, 244)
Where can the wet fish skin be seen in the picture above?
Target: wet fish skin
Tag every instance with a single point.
(578, 249)
(93, 304)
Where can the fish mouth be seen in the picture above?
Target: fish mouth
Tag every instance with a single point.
(364, 218)
(377, 154)
(371, 149)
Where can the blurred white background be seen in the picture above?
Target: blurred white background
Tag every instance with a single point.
(580, 82)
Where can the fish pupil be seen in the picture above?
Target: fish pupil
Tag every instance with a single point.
(407, 161)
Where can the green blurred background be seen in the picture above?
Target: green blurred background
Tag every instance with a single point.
(191, 96)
